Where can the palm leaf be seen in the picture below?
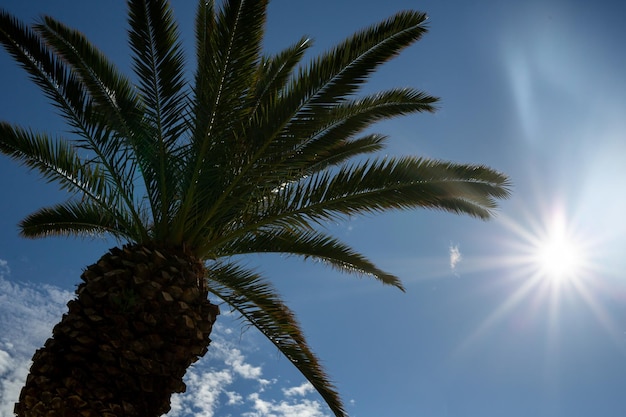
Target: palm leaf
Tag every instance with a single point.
(66, 88)
(114, 102)
(257, 301)
(336, 75)
(228, 54)
(57, 161)
(159, 66)
(273, 74)
(77, 218)
(308, 244)
(352, 117)
(397, 183)
(344, 121)
(111, 91)
(51, 74)
(371, 187)
(342, 151)
(303, 105)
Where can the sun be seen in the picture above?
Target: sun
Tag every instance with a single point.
(550, 258)
(550, 247)
(558, 257)
(557, 253)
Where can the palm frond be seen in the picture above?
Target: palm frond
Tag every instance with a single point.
(375, 186)
(110, 90)
(114, 103)
(341, 123)
(397, 183)
(66, 88)
(304, 105)
(273, 74)
(56, 80)
(205, 30)
(77, 218)
(339, 73)
(58, 161)
(309, 244)
(257, 301)
(352, 117)
(341, 151)
(336, 75)
(158, 63)
(228, 53)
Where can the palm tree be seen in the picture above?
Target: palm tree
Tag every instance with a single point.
(253, 155)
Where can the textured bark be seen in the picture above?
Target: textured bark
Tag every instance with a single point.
(140, 319)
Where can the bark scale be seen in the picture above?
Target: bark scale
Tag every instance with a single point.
(140, 318)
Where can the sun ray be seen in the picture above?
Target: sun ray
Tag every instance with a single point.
(498, 315)
(552, 265)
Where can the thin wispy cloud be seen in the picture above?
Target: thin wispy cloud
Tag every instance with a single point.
(5, 361)
(455, 257)
(4, 268)
(224, 382)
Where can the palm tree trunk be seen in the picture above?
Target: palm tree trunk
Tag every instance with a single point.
(140, 319)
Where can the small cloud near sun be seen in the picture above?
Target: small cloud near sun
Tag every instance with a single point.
(455, 256)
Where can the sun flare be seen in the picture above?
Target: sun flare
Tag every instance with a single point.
(558, 257)
(558, 254)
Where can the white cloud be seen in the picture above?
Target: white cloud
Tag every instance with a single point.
(236, 360)
(234, 398)
(265, 382)
(31, 312)
(203, 393)
(4, 268)
(27, 315)
(455, 256)
(6, 362)
(263, 408)
(301, 390)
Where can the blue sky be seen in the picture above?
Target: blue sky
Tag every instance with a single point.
(492, 323)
